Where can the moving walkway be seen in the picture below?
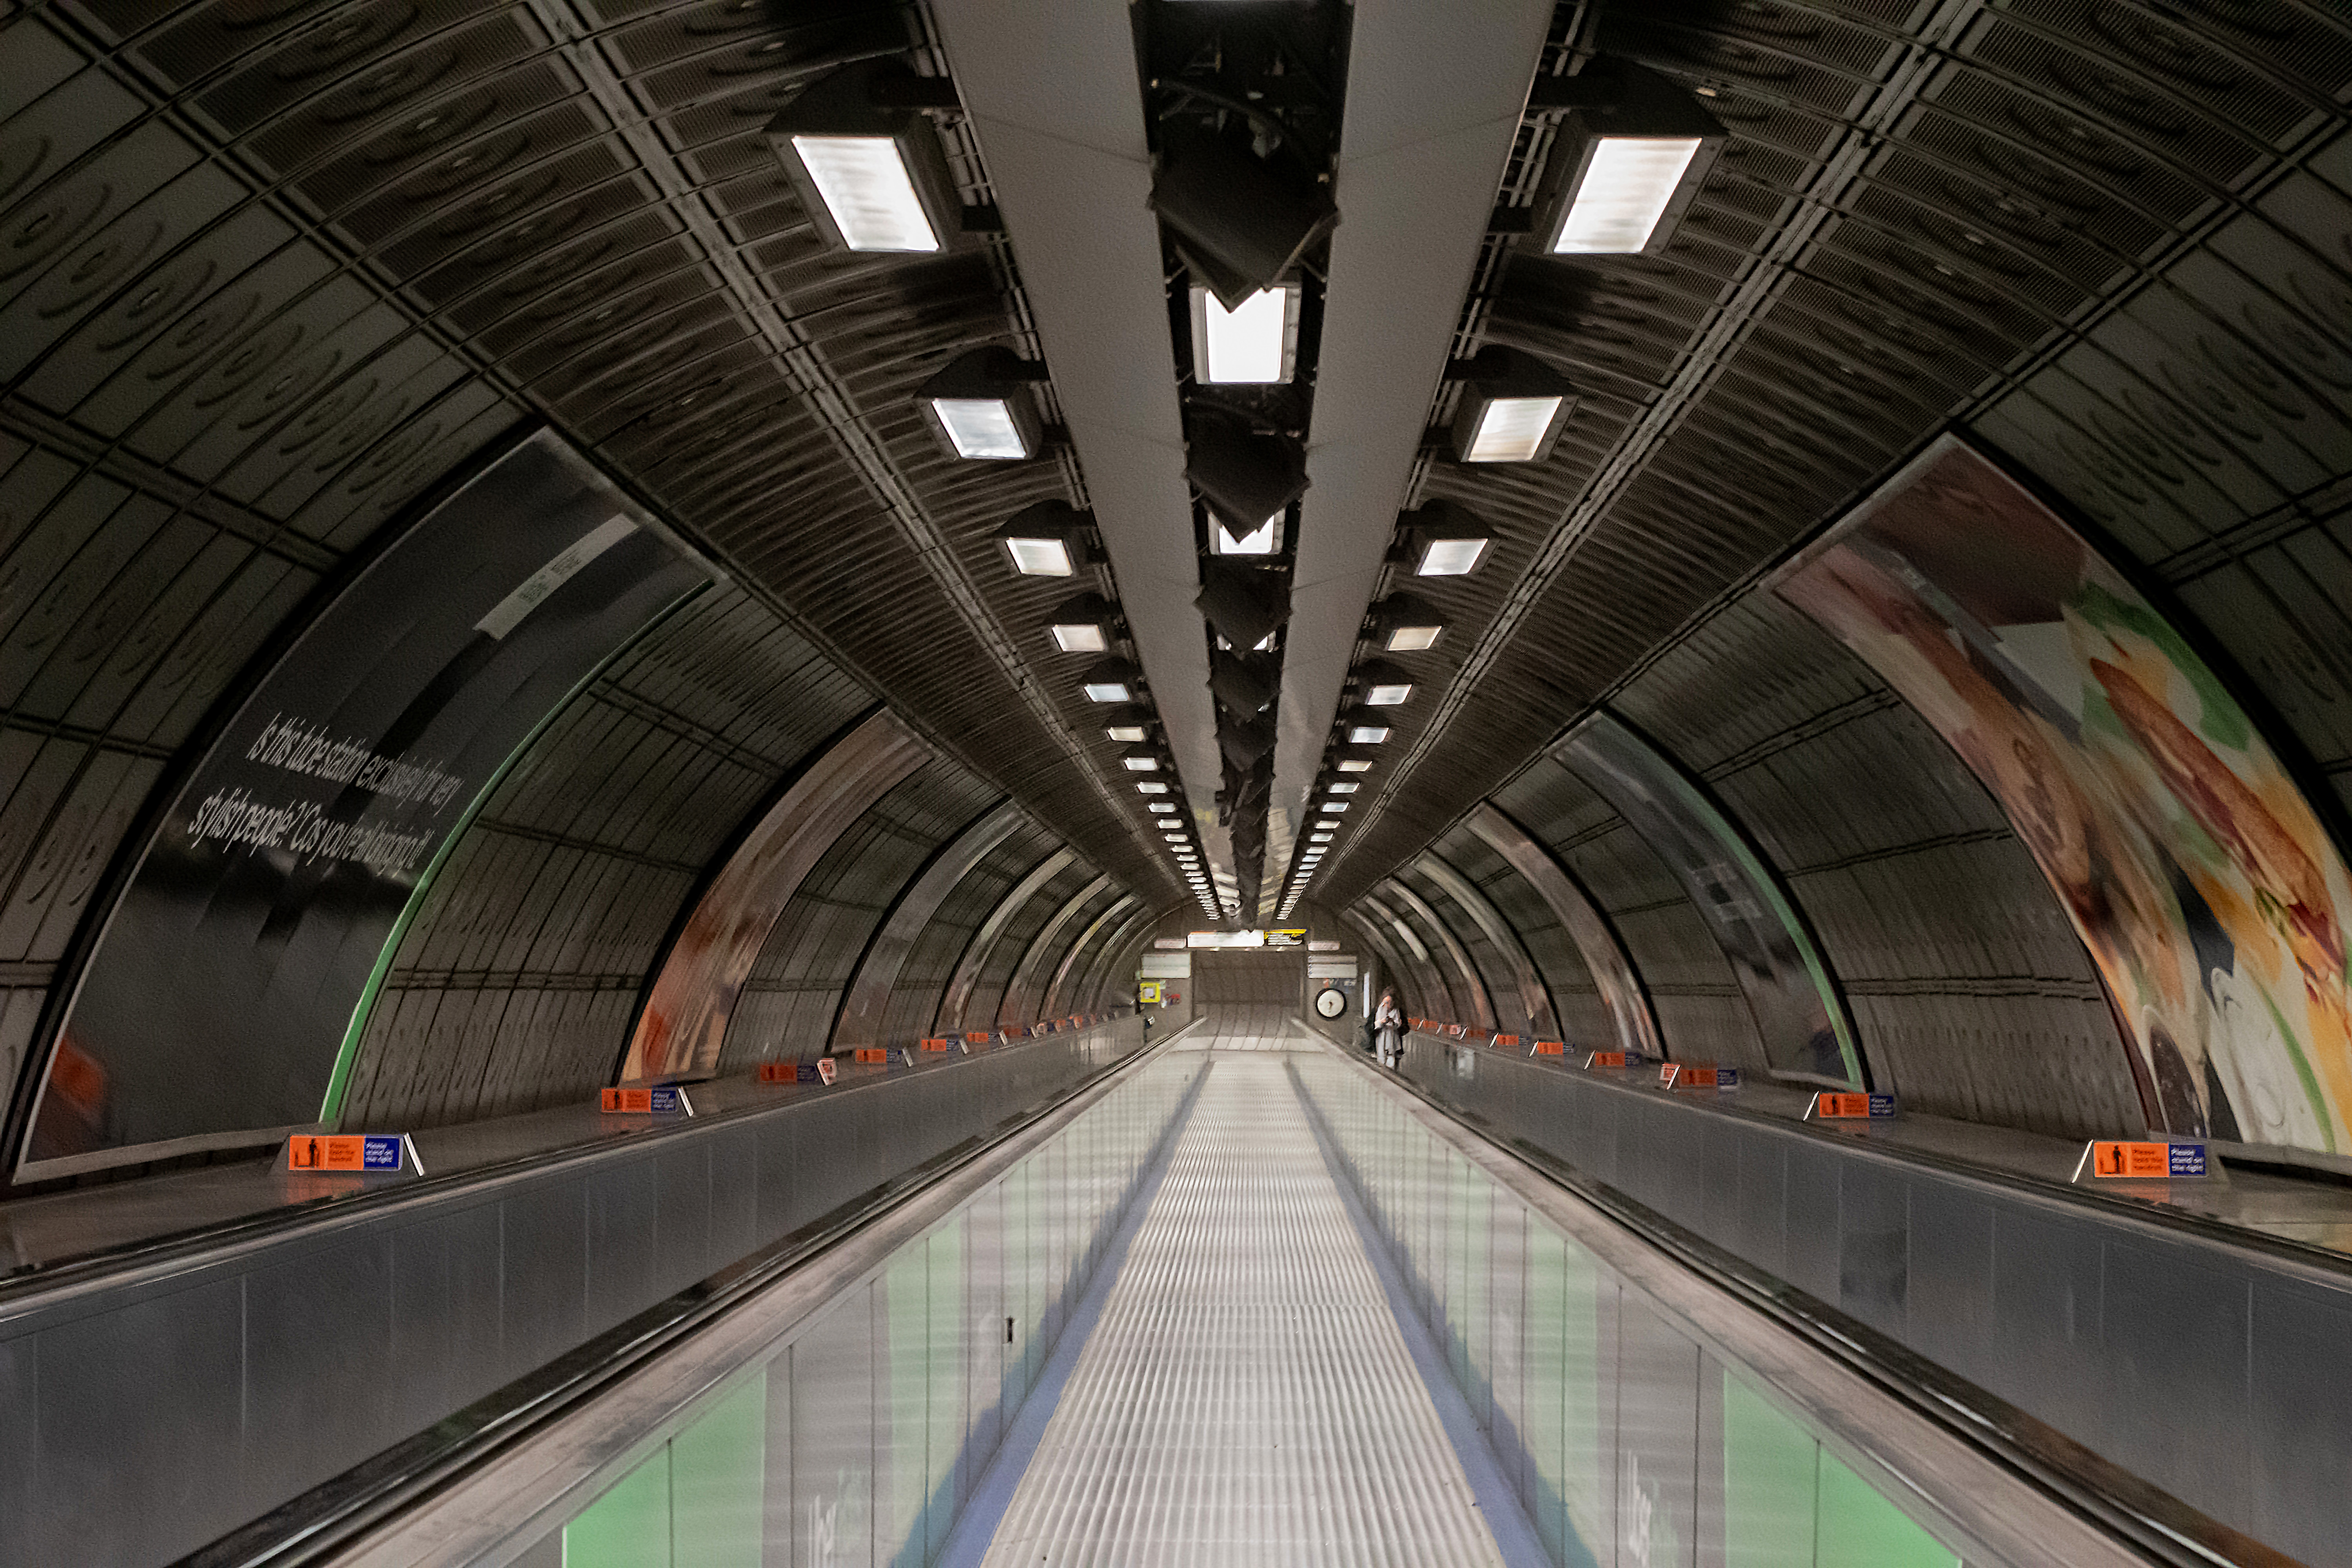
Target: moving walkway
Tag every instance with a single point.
(1254, 1303)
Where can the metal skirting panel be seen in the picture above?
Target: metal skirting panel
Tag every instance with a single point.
(1247, 1396)
(2193, 1364)
(259, 1372)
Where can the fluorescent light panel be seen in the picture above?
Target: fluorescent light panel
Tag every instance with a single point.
(1082, 636)
(1265, 540)
(1449, 557)
(1354, 765)
(1345, 788)
(1412, 639)
(980, 426)
(1386, 696)
(1256, 344)
(1628, 183)
(1126, 733)
(1367, 734)
(1040, 557)
(1139, 764)
(1511, 430)
(1151, 787)
(1108, 691)
(868, 190)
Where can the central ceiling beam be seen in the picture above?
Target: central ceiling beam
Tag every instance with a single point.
(1057, 108)
(1434, 99)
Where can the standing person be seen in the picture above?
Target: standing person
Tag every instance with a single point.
(1388, 1027)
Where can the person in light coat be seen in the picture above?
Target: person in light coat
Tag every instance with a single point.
(1387, 1029)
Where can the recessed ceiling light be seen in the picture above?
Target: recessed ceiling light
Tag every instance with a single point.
(1387, 696)
(1255, 342)
(1163, 805)
(1345, 788)
(1367, 734)
(1332, 807)
(1265, 540)
(1355, 765)
(1146, 763)
(1151, 786)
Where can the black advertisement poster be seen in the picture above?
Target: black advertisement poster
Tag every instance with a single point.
(229, 985)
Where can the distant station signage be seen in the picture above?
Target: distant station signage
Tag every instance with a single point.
(351, 1154)
(1547, 1048)
(1289, 938)
(871, 1057)
(1599, 1059)
(2150, 1161)
(938, 1044)
(668, 1101)
(1507, 1042)
(977, 1036)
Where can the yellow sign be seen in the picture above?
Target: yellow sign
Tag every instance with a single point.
(1147, 994)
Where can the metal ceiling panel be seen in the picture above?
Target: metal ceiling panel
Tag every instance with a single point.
(1071, 174)
(1434, 107)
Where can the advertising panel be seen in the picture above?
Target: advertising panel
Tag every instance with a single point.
(2210, 897)
(1798, 1014)
(230, 982)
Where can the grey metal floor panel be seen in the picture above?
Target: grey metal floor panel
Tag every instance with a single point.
(1245, 1027)
(1247, 1398)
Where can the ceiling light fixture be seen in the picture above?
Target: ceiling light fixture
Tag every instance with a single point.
(1110, 680)
(1367, 734)
(980, 407)
(1513, 406)
(1083, 625)
(1383, 684)
(1633, 153)
(866, 162)
(1151, 786)
(1333, 807)
(1407, 625)
(1047, 539)
(1444, 540)
(1344, 787)
(1256, 343)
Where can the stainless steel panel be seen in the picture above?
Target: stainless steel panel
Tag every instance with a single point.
(2301, 1425)
(146, 1490)
(543, 1272)
(446, 1330)
(318, 1364)
(623, 1206)
(2174, 1337)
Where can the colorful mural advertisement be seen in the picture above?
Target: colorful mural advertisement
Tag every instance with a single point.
(230, 986)
(2194, 869)
(1799, 1016)
(697, 996)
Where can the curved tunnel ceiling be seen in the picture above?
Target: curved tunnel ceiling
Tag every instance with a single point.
(271, 274)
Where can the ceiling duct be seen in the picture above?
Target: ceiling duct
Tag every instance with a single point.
(1243, 683)
(1246, 477)
(1245, 743)
(1244, 604)
(1240, 221)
